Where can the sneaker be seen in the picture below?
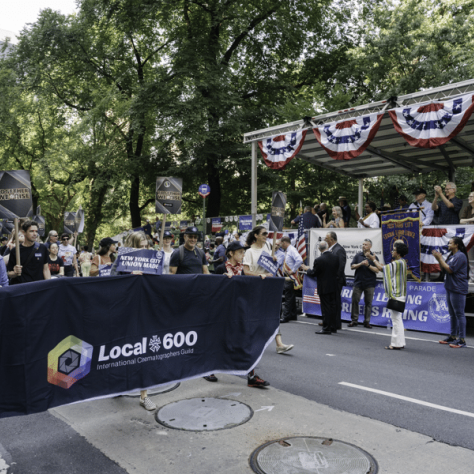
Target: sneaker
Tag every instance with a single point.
(147, 404)
(210, 378)
(448, 340)
(458, 343)
(284, 348)
(256, 381)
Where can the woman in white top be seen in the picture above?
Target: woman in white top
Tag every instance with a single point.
(257, 243)
(168, 250)
(337, 220)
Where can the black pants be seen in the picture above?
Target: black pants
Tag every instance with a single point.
(338, 306)
(68, 270)
(289, 307)
(328, 310)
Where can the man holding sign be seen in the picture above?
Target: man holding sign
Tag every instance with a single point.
(33, 258)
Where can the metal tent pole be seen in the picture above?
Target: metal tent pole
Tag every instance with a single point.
(360, 204)
(253, 184)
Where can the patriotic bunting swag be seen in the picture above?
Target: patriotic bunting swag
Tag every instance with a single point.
(435, 238)
(279, 151)
(432, 124)
(348, 139)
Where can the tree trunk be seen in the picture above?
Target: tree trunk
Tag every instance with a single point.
(135, 202)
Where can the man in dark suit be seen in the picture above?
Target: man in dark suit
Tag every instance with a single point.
(338, 250)
(325, 269)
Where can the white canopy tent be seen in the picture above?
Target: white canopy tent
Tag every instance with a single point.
(388, 153)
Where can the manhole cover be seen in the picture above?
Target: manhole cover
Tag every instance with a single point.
(204, 414)
(155, 391)
(311, 455)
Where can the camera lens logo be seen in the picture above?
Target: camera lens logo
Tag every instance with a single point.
(69, 362)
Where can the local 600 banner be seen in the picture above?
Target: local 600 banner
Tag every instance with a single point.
(100, 337)
(426, 307)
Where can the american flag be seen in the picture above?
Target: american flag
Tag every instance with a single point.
(312, 297)
(300, 241)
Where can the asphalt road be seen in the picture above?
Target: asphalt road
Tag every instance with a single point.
(336, 371)
(425, 371)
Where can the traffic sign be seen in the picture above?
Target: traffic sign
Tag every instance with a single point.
(204, 190)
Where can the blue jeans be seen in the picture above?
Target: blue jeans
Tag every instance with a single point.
(456, 305)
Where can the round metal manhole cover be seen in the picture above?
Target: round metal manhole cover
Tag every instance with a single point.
(156, 391)
(204, 414)
(300, 455)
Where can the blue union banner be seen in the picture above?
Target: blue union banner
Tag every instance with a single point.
(403, 226)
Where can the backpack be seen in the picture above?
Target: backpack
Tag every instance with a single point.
(181, 253)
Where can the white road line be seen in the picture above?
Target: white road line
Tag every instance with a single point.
(408, 399)
(331, 355)
(387, 333)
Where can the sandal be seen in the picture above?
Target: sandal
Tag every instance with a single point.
(392, 348)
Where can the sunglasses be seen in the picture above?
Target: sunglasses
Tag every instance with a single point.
(65, 238)
(264, 233)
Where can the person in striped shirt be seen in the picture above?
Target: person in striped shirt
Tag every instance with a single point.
(395, 284)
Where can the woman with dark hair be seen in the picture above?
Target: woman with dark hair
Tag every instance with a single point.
(395, 284)
(56, 264)
(257, 243)
(105, 255)
(456, 283)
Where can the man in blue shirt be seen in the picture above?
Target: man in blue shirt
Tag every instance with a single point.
(364, 282)
(220, 253)
(310, 221)
(449, 207)
(293, 261)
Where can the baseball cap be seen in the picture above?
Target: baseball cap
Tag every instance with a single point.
(107, 241)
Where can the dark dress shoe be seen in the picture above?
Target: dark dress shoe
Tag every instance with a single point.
(323, 332)
(352, 325)
(285, 320)
(367, 325)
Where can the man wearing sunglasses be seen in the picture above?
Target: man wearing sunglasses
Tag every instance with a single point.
(67, 253)
(52, 238)
(189, 258)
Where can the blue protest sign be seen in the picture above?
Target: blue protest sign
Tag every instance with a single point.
(104, 270)
(204, 190)
(245, 222)
(143, 260)
(266, 261)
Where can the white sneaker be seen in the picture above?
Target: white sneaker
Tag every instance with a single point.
(147, 404)
(284, 348)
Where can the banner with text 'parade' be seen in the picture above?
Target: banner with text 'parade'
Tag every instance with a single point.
(426, 307)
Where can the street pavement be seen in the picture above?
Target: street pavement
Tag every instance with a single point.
(320, 388)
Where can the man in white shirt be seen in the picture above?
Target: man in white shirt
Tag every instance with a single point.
(371, 219)
(426, 214)
(293, 261)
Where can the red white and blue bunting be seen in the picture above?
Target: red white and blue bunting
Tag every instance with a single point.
(280, 150)
(433, 124)
(349, 138)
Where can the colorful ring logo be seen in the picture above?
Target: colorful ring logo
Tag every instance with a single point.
(69, 362)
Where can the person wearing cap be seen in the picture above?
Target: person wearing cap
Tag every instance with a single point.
(67, 253)
(346, 210)
(427, 213)
(233, 266)
(105, 255)
(168, 250)
(448, 209)
(188, 258)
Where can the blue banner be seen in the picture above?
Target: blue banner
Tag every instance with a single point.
(216, 224)
(426, 307)
(143, 260)
(403, 226)
(126, 333)
(245, 222)
(104, 270)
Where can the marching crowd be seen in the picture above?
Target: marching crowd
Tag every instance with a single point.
(55, 259)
